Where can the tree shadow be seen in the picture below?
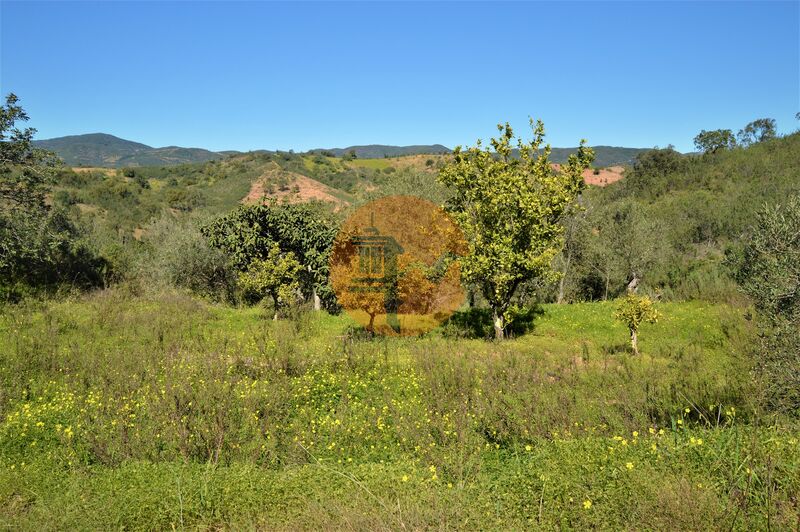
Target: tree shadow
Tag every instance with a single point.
(477, 323)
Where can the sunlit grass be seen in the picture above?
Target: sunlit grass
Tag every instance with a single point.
(166, 412)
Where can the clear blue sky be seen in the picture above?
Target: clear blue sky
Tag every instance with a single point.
(305, 75)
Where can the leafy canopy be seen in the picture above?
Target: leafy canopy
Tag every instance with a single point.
(768, 266)
(249, 232)
(633, 310)
(274, 276)
(757, 131)
(714, 141)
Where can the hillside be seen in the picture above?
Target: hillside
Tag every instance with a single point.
(376, 151)
(102, 149)
(604, 155)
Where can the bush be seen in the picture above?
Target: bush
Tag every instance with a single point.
(767, 268)
(176, 254)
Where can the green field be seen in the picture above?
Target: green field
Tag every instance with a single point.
(375, 164)
(169, 412)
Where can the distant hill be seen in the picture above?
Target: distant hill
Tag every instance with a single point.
(377, 151)
(102, 149)
(604, 155)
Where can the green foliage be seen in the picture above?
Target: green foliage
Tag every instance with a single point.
(633, 310)
(671, 220)
(767, 268)
(274, 276)
(757, 131)
(39, 246)
(509, 209)
(176, 254)
(714, 141)
(307, 232)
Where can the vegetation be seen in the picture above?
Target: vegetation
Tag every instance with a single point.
(633, 310)
(40, 245)
(768, 269)
(168, 399)
(154, 413)
(275, 276)
(100, 149)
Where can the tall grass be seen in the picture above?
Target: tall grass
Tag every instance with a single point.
(169, 412)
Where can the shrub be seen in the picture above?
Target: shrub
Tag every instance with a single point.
(633, 310)
(176, 254)
(767, 268)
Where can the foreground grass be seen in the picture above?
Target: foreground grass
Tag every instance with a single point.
(121, 412)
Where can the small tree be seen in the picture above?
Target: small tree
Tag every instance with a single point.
(275, 276)
(757, 131)
(633, 310)
(714, 141)
(509, 207)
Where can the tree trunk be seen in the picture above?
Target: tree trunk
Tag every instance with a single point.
(634, 342)
(371, 326)
(275, 302)
(499, 325)
(315, 297)
(608, 280)
(563, 282)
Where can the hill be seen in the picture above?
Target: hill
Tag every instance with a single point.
(102, 149)
(604, 155)
(376, 151)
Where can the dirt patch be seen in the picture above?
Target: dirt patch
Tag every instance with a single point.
(603, 177)
(88, 169)
(290, 187)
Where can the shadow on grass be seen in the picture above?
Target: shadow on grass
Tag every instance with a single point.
(477, 323)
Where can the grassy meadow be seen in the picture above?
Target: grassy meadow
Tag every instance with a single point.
(166, 411)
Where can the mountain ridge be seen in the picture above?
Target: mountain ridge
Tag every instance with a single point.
(106, 150)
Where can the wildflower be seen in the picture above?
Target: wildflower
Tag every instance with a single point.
(680, 422)
(687, 410)
(405, 478)
(629, 465)
(635, 434)
(528, 448)
(587, 504)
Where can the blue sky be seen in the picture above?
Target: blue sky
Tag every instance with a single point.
(304, 75)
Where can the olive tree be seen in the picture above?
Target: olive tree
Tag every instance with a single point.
(767, 267)
(509, 204)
